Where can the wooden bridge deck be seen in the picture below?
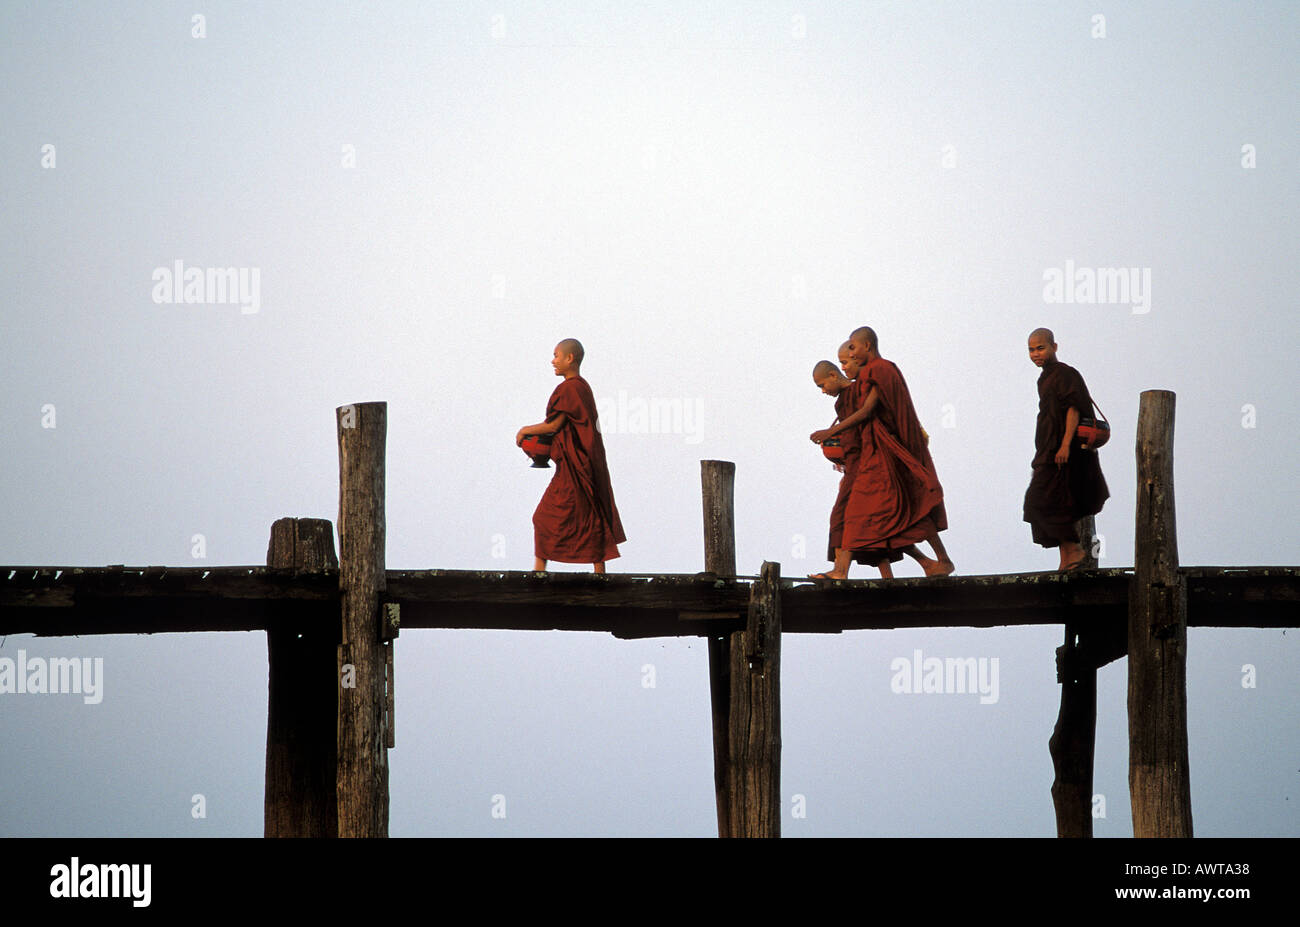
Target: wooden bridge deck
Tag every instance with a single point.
(74, 600)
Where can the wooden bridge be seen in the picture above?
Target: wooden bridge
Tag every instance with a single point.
(331, 626)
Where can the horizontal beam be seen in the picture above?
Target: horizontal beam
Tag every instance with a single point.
(54, 601)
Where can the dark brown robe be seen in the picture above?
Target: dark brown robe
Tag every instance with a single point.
(577, 521)
(896, 499)
(1059, 496)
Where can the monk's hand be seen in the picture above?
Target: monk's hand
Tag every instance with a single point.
(1063, 455)
(817, 437)
(519, 437)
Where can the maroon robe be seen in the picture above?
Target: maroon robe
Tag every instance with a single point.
(1057, 497)
(577, 521)
(896, 499)
(847, 402)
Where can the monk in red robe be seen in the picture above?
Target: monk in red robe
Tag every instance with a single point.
(576, 521)
(1067, 483)
(896, 499)
(844, 387)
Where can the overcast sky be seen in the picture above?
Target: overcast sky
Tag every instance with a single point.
(710, 197)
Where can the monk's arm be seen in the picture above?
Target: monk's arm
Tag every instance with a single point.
(1071, 423)
(824, 430)
(549, 427)
(863, 413)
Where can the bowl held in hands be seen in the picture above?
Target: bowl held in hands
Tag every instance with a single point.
(538, 447)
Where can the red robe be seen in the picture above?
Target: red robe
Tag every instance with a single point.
(577, 521)
(896, 499)
(1057, 497)
(847, 402)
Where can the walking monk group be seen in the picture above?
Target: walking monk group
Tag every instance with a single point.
(576, 521)
(845, 388)
(894, 498)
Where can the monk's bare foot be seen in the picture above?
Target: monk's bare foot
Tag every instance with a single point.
(1073, 566)
(938, 567)
(830, 574)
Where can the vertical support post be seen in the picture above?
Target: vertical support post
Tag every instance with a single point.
(302, 707)
(362, 749)
(755, 773)
(1086, 527)
(1073, 740)
(1159, 781)
(717, 479)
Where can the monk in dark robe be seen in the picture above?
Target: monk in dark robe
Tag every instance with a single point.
(896, 499)
(844, 388)
(576, 521)
(1067, 483)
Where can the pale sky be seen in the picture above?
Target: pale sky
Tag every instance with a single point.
(711, 197)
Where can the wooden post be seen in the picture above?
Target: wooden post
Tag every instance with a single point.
(1159, 782)
(302, 705)
(755, 728)
(362, 698)
(1072, 744)
(1086, 528)
(717, 478)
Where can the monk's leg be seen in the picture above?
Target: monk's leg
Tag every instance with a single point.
(600, 566)
(1071, 554)
(945, 562)
(922, 560)
(539, 564)
(941, 567)
(841, 569)
(886, 570)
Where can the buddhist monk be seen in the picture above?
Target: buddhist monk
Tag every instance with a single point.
(576, 521)
(842, 386)
(896, 499)
(1067, 483)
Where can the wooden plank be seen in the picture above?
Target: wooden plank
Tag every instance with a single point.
(1159, 782)
(717, 485)
(302, 700)
(96, 600)
(362, 781)
(755, 719)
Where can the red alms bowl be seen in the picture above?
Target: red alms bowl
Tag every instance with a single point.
(1092, 432)
(538, 447)
(832, 450)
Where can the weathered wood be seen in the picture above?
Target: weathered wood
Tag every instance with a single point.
(1086, 528)
(302, 703)
(980, 601)
(755, 720)
(96, 600)
(1073, 740)
(390, 697)
(1159, 781)
(717, 481)
(362, 751)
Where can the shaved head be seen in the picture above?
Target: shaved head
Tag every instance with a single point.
(825, 369)
(1044, 333)
(866, 336)
(571, 346)
(844, 348)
